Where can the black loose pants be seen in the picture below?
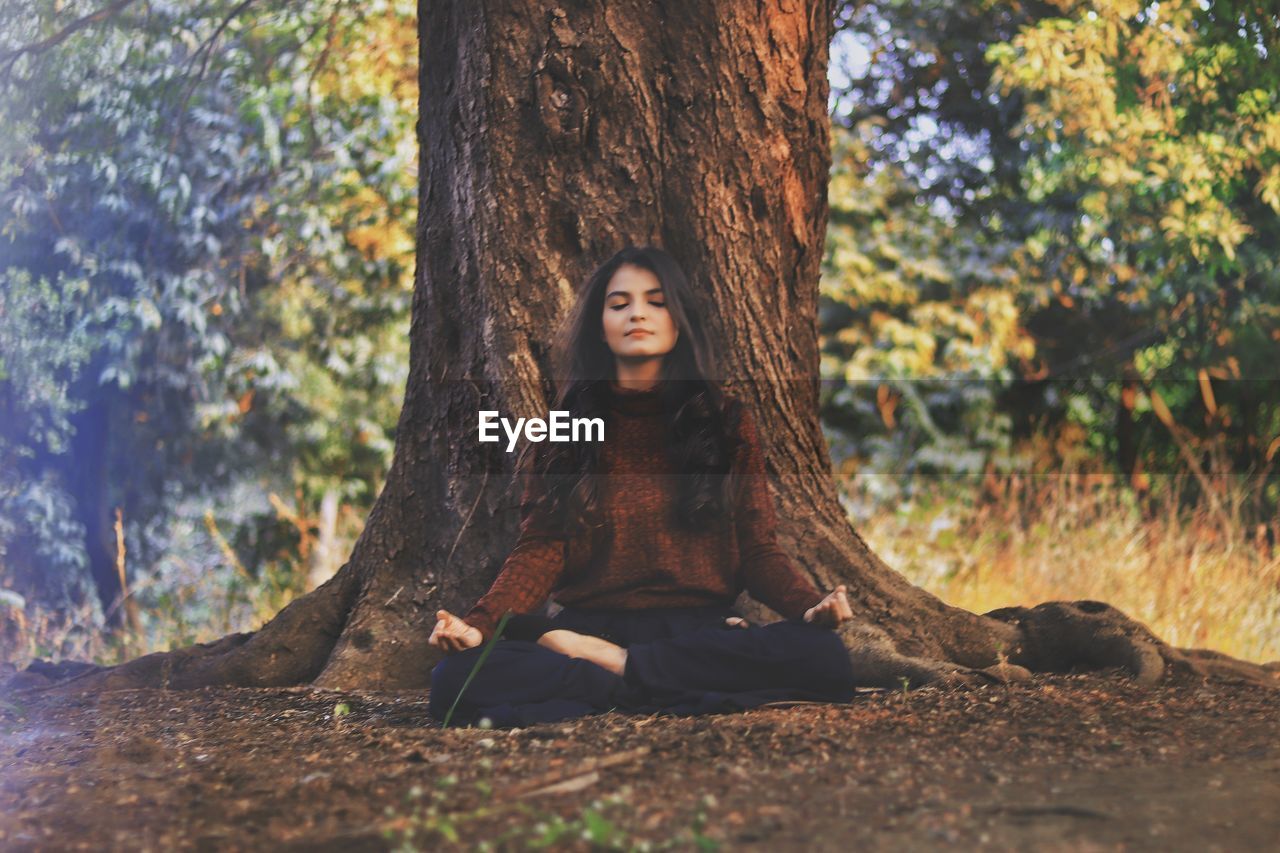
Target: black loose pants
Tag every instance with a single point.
(679, 661)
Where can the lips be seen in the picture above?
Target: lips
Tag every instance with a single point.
(637, 332)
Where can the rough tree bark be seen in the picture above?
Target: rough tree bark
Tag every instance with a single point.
(551, 137)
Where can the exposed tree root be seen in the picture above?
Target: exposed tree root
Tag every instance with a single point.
(1060, 636)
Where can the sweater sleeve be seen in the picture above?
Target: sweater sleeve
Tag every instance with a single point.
(529, 572)
(769, 576)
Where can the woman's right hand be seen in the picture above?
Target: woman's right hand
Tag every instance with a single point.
(452, 634)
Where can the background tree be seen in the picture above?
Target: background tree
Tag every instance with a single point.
(216, 202)
(105, 202)
(1104, 168)
(922, 307)
(1158, 124)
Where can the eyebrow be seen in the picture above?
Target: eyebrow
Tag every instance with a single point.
(613, 293)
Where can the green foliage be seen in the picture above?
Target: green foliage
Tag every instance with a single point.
(1161, 127)
(230, 198)
(108, 191)
(1114, 167)
(922, 307)
(42, 345)
(919, 322)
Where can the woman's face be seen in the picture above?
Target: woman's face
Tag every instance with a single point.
(636, 321)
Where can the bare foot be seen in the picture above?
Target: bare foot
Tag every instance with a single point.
(600, 652)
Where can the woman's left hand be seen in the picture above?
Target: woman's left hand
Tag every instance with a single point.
(832, 610)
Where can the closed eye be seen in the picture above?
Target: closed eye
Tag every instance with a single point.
(622, 305)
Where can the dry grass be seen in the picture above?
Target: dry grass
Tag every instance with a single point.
(1197, 578)
(35, 632)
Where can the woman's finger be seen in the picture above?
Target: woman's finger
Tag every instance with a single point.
(445, 636)
(828, 611)
(838, 604)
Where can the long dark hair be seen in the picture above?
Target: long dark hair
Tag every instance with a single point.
(701, 420)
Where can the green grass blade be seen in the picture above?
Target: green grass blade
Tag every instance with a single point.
(484, 654)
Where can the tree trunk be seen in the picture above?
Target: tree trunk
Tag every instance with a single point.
(325, 556)
(87, 477)
(550, 138)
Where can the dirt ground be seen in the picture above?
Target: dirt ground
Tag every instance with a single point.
(1078, 762)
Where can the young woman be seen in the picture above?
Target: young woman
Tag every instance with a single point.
(644, 539)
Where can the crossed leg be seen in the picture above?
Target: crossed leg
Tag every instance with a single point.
(574, 645)
(784, 656)
(520, 683)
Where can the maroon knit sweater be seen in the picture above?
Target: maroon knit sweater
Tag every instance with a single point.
(639, 559)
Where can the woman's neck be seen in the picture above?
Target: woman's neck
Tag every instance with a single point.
(642, 376)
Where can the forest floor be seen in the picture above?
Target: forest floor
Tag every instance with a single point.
(1070, 762)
